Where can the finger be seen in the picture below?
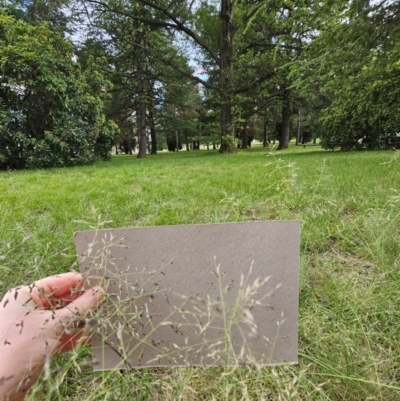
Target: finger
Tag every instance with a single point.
(62, 286)
(83, 305)
(46, 292)
(65, 300)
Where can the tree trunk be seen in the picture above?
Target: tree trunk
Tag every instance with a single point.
(245, 136)
(176, 134)
(177, 141)
(226, 78)
(265, 133)
(186, 140)
(153, 134)
(142, 103)
(298, 128)
(141, 119)
(285, 127)
(142, 130)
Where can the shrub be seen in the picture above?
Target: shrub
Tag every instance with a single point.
(50, 110)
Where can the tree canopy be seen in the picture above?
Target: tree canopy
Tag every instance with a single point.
(169, 74)
(50, 109)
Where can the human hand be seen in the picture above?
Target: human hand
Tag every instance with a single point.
(37, 322)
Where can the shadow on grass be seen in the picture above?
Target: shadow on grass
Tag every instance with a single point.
(240, 156)
(291, 151)
(118, 161)
(123, 159)
(296, 151)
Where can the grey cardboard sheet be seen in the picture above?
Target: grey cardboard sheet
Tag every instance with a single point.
(194, 295)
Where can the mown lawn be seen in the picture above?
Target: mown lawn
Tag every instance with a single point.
(349, 205)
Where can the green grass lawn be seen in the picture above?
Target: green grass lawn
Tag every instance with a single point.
(349, 205)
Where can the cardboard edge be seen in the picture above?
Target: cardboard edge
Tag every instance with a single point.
(191, 225)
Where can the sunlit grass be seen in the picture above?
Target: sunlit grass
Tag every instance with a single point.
(349, 205)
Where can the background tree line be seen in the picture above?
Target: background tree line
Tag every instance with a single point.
(173, 74)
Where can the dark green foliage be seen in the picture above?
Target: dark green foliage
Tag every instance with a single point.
(352, 67)
(49, 113)
(364, 113)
